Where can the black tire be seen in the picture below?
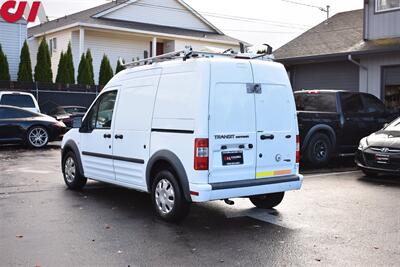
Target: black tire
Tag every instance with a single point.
(267, 201)
(319, 150)
(175, 212)
(369, 173)
(73, 179)
(42, 134)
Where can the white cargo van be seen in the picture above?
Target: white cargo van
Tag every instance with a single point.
(192, 130)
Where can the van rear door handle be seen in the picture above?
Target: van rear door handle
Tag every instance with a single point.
(267, 136)
(107, 136)
(119, 136)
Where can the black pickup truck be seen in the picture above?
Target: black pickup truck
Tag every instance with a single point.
(332, 122)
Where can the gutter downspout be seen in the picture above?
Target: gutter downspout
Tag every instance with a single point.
(350, 58)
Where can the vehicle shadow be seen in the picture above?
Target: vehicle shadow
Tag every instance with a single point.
(382, 180)
(137, 206)
(337, 164)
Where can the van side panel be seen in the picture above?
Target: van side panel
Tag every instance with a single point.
(133, 122)
(180, 112)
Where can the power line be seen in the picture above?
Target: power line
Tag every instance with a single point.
(229, 17)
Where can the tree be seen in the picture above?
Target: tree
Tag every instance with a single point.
(106, 71)
(43, 71)
(119, 66)
(62, 69)
(4, 70)
(89, 62)
(25, 65)
(83, 71)
(69, 66)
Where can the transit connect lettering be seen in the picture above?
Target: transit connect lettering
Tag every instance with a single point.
(226, 136)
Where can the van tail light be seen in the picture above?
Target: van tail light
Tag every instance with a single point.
(201, 154)
(298, 149)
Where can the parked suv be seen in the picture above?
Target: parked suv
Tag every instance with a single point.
(333, 122)
(191, 131)
(21, 100)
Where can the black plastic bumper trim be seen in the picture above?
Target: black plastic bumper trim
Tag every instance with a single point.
(255, 182)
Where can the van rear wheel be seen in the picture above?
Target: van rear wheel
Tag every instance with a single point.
(267, 201)
(167, 197)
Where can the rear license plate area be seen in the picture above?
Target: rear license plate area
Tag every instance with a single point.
(382, 158)
(230, 158)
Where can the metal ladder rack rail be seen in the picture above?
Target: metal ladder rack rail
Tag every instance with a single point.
(190, 53)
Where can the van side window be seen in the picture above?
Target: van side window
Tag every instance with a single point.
(100, 116)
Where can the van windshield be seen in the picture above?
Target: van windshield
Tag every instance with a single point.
(23, 101)
(316, 102)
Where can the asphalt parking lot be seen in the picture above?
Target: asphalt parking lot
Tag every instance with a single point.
(339, 218)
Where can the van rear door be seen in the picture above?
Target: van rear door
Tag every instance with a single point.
(276, 122)
(232, 124)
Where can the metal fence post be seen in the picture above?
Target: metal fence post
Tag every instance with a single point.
(37, 91)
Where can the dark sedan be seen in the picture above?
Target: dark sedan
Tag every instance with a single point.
(380, 152)
(21, 126)
(71, 116)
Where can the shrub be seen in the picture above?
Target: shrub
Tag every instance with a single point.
(43, 71)
(106, 72)
(25, 65)
(4, 70)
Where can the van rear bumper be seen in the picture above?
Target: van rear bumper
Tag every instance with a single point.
(244, 188)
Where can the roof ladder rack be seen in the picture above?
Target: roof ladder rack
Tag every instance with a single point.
(188, 52)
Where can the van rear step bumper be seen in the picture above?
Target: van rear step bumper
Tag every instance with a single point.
(245, 188)
(255, 182)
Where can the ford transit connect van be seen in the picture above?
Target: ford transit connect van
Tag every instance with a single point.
(191, 130)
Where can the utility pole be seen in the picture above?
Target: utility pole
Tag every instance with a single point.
(326, 10)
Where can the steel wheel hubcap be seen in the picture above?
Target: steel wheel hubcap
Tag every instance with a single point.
(320, 150)
(165, 196)
(69, 170)
(38, 137)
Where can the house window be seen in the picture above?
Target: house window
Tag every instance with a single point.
(53, 45)
(387, 5)
(391, 86)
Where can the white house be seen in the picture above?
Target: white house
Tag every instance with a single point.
(129, 29)
(12, 37)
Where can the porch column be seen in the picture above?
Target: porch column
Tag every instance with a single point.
(154, 47)
(81, 41)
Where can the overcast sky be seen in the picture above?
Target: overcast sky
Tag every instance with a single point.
(279, 20)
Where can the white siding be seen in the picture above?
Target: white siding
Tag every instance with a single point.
(160, 12)
(12, 37)
(381, 25)
(370, 81)
(114, 46)
(63, 38)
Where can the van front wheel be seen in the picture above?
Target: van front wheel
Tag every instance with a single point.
(167, 197)
(267, 201)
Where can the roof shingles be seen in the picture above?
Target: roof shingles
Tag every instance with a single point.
(341, 34)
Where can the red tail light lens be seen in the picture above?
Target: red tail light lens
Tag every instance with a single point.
(297, 149)
(201, 154)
